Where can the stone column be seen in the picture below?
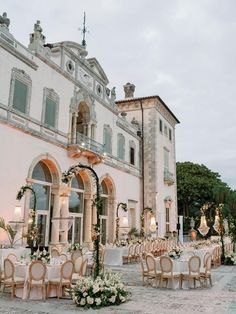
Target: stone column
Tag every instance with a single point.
(94, 215)
(87, 225)
(89, 130)
(74, 127)
(55, 214)
(64, 222)
(111, 219)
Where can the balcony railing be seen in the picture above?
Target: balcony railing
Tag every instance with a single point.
(168, 177)
(83, 145)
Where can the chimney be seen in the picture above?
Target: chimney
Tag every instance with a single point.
(129, 90)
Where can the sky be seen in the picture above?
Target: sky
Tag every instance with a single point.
(182, 50)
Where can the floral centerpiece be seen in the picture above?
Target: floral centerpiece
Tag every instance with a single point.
(230, 259)
(175, 253)
(200, 244)
(120, 243)
(43, 256)
(75, 247)
(107, 289)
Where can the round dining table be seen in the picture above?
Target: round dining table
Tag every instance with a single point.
(22, 270)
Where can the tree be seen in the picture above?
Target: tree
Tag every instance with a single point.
(195, 185)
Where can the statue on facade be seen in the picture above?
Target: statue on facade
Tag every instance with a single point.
(113, 93)
(4, 20)
(37, 27)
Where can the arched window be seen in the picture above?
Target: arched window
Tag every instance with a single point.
(76, 209)
(42, 183)
(107, 139)
(121, 146)
(132, 152)
(104, 212)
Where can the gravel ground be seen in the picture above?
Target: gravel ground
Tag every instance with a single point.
(219, 299)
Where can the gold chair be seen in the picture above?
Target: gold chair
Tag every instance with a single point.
(207, 273)
(10, 280)
(144, 270)
(216, 256)
(127, 258)
(65, 278)
(37, 273)
(77, 269)
(152, 272)
(167, 272)
(12, 257)
(193, 273)
(55, 253)
(63, 257)
(75, 254)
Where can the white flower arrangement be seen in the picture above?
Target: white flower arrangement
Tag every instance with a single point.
(230, 259)
(43, 256)
(201, 244)
(107, 289)
(120, 243)
(75, 247)
(175, 253)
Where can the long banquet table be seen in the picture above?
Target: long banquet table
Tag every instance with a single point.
(114, 255)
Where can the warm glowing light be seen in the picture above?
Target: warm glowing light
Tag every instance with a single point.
(216, 225)
(153, 226)
(203, 229)
(125, 222)
(17, 213)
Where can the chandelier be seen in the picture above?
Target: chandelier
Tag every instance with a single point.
(217, 225)
(203, 229)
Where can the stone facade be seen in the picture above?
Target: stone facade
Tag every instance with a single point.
(56, 110)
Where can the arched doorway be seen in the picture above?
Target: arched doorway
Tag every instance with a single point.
(83, 119)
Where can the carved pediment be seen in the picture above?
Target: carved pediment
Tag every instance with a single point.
(96, 67)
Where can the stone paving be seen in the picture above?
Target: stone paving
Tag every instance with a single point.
(219, 299)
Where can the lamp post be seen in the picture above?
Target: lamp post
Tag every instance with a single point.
(124, 207)
(33, 229)
(67, 176)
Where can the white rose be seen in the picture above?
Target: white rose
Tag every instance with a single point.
(82, 301)
(85, 294)
(90, 300)
(98, 301)
(112, 299)
(95, 289)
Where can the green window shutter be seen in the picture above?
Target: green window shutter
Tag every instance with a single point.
(107, 141)
(121, 147)
(20, 96)
(50, 112)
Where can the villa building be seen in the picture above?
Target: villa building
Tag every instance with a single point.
(56, 110)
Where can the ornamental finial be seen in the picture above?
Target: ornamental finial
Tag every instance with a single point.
(84, 30)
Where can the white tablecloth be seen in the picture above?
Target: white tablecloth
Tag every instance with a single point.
(179, 266)
(22, 270)
(114, 255)
(21, 251)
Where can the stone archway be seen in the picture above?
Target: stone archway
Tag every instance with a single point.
(47, 195)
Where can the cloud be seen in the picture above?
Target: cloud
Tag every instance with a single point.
(182, 50)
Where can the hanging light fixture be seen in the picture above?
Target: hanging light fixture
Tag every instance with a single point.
(153, 226)
(203, 229)
(216, 225)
